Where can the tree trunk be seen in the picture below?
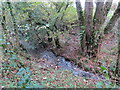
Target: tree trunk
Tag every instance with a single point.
(88, 27)
(15, 43)
(15, 33)
(13, 19)
(80, 13)
(98, 17)
(107, 7)
(3, 21)
(81, 26)
(113, 20)
(4, 29)
(94, 38)
(57, 43)
(97, 21)
(118, 59)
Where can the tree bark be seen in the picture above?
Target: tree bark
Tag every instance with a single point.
(88, 26)
(81, 26)
(113, 20)
(101, 19)
(97, 22)
(107, 7)
(117, 71)
(80, 13)
(98, 17)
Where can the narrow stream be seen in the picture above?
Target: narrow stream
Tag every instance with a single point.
(67, 65)
(59, 61)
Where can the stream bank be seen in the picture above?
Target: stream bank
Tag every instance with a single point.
(59, 61)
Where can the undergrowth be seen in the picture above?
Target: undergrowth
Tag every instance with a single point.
(35, 77)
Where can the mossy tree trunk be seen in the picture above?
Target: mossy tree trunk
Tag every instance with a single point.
(82, 25)
(88, 27)
(93, 34)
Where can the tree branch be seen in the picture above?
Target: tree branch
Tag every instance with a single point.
(113, 20)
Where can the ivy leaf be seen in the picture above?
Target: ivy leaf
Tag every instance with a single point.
(103, 68)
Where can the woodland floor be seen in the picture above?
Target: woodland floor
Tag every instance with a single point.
(108, 50)
(55, 78)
